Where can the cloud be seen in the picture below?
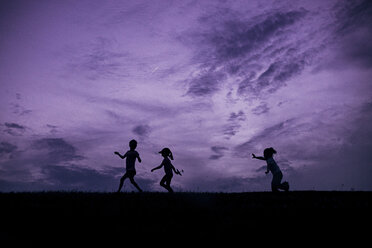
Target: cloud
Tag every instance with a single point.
(240, 116)
(353, 15)
(56, 164)
(7, 148)
(234, 123)
(14, 125)
(232, 45)
(17, 108)
(141, 130)
(261, 109)
(75, 178)
(98, 59)
(240, 38)
(14, 129)
(259, 138)
(58, 149)
(219, 150)
(351, 35)
(206, 83)
(52, 128)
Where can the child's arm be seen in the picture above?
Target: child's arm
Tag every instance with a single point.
(176, 171)
(260, 158)
(121, 156)
(156, 168)
(139, 159)
(267, 169)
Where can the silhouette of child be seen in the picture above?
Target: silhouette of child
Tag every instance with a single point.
(276, 182)
(168, 169)
(131, 156)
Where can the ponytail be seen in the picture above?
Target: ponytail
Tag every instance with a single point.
(170, 155)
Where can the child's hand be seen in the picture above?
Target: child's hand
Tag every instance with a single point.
(116, 153)
(253, 156)
(178, 172)
(152, 170)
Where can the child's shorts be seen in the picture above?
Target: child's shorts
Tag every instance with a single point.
(130, 173)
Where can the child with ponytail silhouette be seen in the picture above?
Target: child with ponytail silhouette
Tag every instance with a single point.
(276, 182)
(168, 169)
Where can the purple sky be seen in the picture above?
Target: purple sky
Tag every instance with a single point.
(212, 80)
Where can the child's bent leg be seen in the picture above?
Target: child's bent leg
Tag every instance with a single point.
(162, 181)
(135, 184)
(276, 182)
(284, 186)
(274, 187)
(165, 183)
(168, 182)
(122, 181)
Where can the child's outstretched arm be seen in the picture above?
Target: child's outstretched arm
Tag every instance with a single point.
(156, 168)
(139, 159)
(121, 156)
(267, 169)
(176, 171)
(260, 158)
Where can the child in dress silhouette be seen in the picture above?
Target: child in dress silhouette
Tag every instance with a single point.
(276, 182)
(131, 156)
(168, 169)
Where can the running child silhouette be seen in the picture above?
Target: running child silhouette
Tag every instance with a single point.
(168, 169)
(131, 156)
(276, 182)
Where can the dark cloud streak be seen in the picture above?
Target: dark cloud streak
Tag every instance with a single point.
(141, 130)
(58, 149)
(7, 148)
(219, 150)
(231, 41)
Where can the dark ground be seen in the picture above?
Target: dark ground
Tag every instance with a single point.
(303, 218)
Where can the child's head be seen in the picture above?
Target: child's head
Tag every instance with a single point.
(268, 152)
(132, 144)
(166, 152)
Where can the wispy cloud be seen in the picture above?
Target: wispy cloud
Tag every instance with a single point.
(14, 125)
(14, 129)
(234, 123)
(219, 150)
(98, 59)
(233, 45)
(58, 149)
(141, 130)
(7, 148)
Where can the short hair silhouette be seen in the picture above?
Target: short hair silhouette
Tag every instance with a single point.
(268, 152)
(130, 171)
(133, 144)
(272, 166)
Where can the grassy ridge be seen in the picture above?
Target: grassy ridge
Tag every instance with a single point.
(106, 217)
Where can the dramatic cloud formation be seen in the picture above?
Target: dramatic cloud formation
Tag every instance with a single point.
(214, 81)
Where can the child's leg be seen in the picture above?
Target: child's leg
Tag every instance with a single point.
(122, 181)
(284, 186)
(165, 183)
(274, 187)
(135, 184)
(162, 181)
(168, 182)
(276, 182)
